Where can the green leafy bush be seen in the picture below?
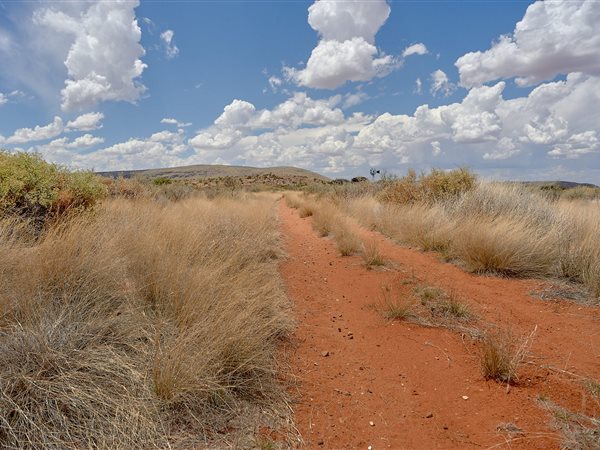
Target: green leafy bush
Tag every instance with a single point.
(160, 181)
(34, 189)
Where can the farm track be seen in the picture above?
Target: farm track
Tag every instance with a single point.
(368, 382)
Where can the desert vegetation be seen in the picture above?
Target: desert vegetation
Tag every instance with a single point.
(128, 320)
(507, 229)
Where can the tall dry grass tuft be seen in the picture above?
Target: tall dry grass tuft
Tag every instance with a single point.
(347, 241)
(506, 247)
(145, 320)
(580, 246)
(371, 254)
(366, 210)
(502, 354)
(325, 218)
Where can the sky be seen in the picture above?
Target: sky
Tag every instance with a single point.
(508, 88)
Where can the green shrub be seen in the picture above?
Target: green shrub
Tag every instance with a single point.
(160, 181)
(34, 189)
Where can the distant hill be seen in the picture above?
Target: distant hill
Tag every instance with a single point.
(558, 184)
(214, 171)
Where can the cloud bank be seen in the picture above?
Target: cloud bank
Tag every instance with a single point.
(553, 38)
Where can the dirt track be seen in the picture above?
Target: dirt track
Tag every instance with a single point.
(368, 382)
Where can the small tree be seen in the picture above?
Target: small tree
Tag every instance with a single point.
(373, 172)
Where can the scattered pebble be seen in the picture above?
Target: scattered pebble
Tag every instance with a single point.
(372, 423)
(326, 353)
(429, 416)
(465, 397)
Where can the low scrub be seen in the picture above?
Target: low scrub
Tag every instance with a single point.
(438, 185)
(35, 190)
(500, 228)
(142, 325)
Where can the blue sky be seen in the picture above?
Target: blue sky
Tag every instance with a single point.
(509, 88)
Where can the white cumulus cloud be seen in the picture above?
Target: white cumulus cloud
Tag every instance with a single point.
(554, 37)
(346, 50)
(86, 122)
(171, 121)
(415, 49)
(440, 84)
(38, 133)
(103, 62)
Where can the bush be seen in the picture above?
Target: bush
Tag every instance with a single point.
(160, 181)
(428, 188)
(34, 189)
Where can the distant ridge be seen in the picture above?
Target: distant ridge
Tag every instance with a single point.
(559, 184)
(214, 171)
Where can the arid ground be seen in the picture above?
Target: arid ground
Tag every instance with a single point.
(364, 381)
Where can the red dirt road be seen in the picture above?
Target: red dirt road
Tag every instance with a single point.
(368, 382)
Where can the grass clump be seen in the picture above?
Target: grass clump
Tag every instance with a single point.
(593, 387)
(393, 307)
(346, 240)
(506, 247)
(429, 307)
(502, 354)
(439, 309)
(371, 254)
(325, 218)
(306, 210)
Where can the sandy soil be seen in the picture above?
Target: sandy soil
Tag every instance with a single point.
(366, 382)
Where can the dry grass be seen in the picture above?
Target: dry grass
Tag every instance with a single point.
(429, 228)
(502, 354)
(306, 210)
(346, 240)
(429, 306)
(497, 228)
(293, 199)
(326, 218)
(394, 307)
(443, 307)
(579, 432)
(593, 387)
(366, 210)
(506, 247)
(428, 188)
(371, 254)
(129, 327)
